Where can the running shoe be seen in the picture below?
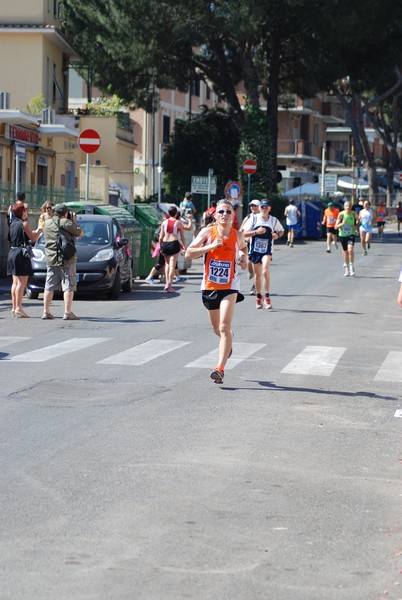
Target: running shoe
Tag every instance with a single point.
(168, 288)
(252, 291)
(258, 303)
(217, 375)
(352, 271)
(368, 245)
(329, 250)
(365, 253)
(267, 303)
(150, 280)
(346, 273)
(179, 279)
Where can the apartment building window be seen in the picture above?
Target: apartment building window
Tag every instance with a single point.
(55, 2)
(166, 129)
(70, 174)
(1, 162)
(208, 92)
(54, 87)
(316, 134)
(195, 85)
(41, 177)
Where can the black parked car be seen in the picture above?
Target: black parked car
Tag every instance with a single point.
(103, 259)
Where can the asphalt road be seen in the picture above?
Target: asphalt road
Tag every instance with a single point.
(127, 474)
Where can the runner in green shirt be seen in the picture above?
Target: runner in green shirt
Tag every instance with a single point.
(346, 224)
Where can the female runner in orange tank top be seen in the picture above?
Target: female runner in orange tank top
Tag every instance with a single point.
(222, 247)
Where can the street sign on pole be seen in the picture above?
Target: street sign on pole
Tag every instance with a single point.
(249, 166)
(199, 185)
(89, 141)
(233, 189)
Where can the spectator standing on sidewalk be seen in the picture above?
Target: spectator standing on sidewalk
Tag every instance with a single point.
(61, 273)
(19, 260)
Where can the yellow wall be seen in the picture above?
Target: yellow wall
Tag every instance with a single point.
(25, 79)
(34, 12)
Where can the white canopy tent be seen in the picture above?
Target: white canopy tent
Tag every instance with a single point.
(347, 183)
(307, 189)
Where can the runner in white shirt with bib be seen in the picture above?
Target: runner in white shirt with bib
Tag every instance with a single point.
(260, 231)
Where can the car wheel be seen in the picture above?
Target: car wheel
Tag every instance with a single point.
(115, 291)
(31, 294)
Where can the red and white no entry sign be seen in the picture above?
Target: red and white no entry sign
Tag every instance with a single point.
(249, 166)
(89, 141)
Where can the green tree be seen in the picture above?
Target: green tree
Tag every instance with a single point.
(36, 104)
(137, 47)
(209, 140)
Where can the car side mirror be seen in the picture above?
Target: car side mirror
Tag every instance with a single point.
(122, 242)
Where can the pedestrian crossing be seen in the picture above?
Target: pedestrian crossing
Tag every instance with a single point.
(313, 361)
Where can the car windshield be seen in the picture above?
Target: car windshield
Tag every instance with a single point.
(94, 233)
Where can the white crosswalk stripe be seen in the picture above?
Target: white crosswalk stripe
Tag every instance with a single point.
(391, 368)
(312, 360)
(315, 360)
(57, 350)
(241, 352)
(143, 353)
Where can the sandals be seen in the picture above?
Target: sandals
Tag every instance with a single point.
(20, 314)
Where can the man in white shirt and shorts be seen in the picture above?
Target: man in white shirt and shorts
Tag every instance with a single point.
(260, 231)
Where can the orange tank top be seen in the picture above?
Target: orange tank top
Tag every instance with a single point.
(220, 263)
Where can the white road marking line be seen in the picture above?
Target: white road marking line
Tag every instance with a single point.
(7, 341)
(315, 360)
(241, 351)
(143, 353)
(391, 368)
(56, 350)
(398, 413)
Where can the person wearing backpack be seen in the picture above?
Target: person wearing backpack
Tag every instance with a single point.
(61, 271)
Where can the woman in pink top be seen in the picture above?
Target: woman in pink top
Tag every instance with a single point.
(171, 229)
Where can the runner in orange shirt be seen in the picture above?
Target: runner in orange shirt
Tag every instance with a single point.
(221, 246)
(330, 216)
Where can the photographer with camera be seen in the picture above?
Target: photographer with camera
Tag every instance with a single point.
(61, 272)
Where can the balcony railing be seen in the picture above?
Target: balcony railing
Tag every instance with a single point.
(295, 147)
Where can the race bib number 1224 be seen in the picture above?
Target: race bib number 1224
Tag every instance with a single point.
(219, 271)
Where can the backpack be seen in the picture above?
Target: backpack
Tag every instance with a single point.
(65, 247)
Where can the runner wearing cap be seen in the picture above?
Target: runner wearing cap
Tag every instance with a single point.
(261, 230)
(330, 216)
(254, 210)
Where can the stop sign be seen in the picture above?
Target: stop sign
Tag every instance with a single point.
(249, 166)
(89, 141)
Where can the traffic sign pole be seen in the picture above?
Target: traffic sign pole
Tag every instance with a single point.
(87, 180)
(249, 167)
(89, 142)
